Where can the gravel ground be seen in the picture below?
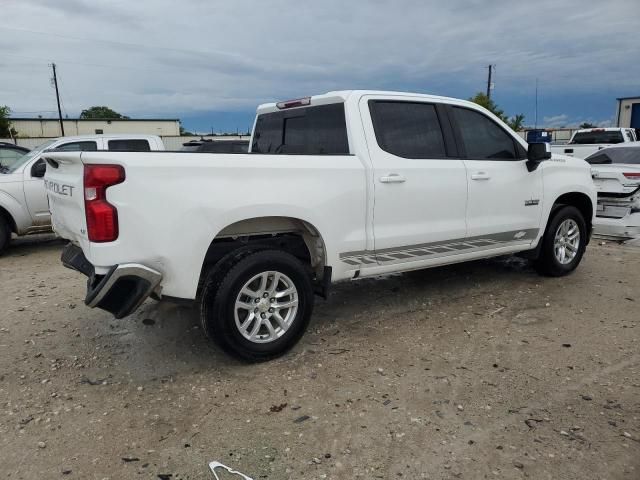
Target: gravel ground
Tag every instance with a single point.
(482, 370)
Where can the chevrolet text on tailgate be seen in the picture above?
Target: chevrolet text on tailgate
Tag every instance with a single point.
(334, 187)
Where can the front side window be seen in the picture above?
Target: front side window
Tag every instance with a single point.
(78, 147)
(129, 145)
(319, 130)
(407, 129)
(483, 138)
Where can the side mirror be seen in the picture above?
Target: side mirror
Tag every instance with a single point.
(38, 169)
(536, 153)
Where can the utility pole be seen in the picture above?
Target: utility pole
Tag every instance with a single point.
(489, 86)
(55, 84)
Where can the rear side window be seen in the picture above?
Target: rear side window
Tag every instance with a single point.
(407, 129)
(320, 130)
(129, 145)
(597, 136)
(483, 138)
(78, 147)
(629, 156)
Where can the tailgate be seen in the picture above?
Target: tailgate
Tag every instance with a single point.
(64, 184)
(610, 178)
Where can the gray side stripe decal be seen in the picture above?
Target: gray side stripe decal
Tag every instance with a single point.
(437, 249)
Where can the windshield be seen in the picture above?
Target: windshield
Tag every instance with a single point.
(28, 156)
(597, 136)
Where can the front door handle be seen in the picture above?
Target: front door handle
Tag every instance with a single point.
(393, 178)
(480, 176)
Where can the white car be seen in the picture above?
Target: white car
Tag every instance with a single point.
(587, 141)
(616, 173)
(23, 200)
(335, 187)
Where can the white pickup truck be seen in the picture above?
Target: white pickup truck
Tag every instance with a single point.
(587, 141)
(335, 187)
(23, 199)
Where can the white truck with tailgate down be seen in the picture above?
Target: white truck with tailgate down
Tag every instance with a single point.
(338, 186)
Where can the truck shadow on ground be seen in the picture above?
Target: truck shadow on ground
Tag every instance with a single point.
(22, 246)
(167, 339)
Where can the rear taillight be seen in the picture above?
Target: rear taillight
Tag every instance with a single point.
(102, 217)
(632, 175)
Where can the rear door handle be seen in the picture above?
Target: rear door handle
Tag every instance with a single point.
(480, 176)
(393, 178)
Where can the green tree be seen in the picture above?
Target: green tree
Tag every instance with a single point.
(586, 125)
(101, 113)
(6, 130)
(185, 133)
(516, 122)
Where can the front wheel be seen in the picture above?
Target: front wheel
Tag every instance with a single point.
(260, 307)
(563, 243)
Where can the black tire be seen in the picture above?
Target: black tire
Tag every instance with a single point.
(222, 287)
(5, 233)
(547, 263)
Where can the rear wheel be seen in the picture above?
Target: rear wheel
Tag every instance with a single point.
(563, 244)
(260, 307)
(5, 233)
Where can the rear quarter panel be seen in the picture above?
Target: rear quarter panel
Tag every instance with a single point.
(172, 205)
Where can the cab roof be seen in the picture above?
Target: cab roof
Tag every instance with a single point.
(341, 96)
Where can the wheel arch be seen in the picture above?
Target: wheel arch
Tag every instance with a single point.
(579, 200)
(291, 234)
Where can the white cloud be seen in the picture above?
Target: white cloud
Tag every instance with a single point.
(161, 57)
(556, 121)
(565, 121)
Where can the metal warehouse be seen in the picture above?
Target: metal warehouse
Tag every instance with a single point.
(50, 127)
(628, 112)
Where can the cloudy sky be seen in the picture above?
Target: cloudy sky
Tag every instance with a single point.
(211, 62)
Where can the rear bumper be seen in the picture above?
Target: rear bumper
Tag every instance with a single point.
(623, 228)
(121, 290)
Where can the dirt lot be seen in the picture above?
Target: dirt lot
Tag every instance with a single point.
(474, 371)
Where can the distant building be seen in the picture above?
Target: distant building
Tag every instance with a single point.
(50, 127)
(628, 112)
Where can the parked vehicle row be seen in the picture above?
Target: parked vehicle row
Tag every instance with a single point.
(24, 208)
(586, 142)
(335, 187)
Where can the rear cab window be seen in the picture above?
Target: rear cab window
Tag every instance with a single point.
(313, 130)
(597, 136)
